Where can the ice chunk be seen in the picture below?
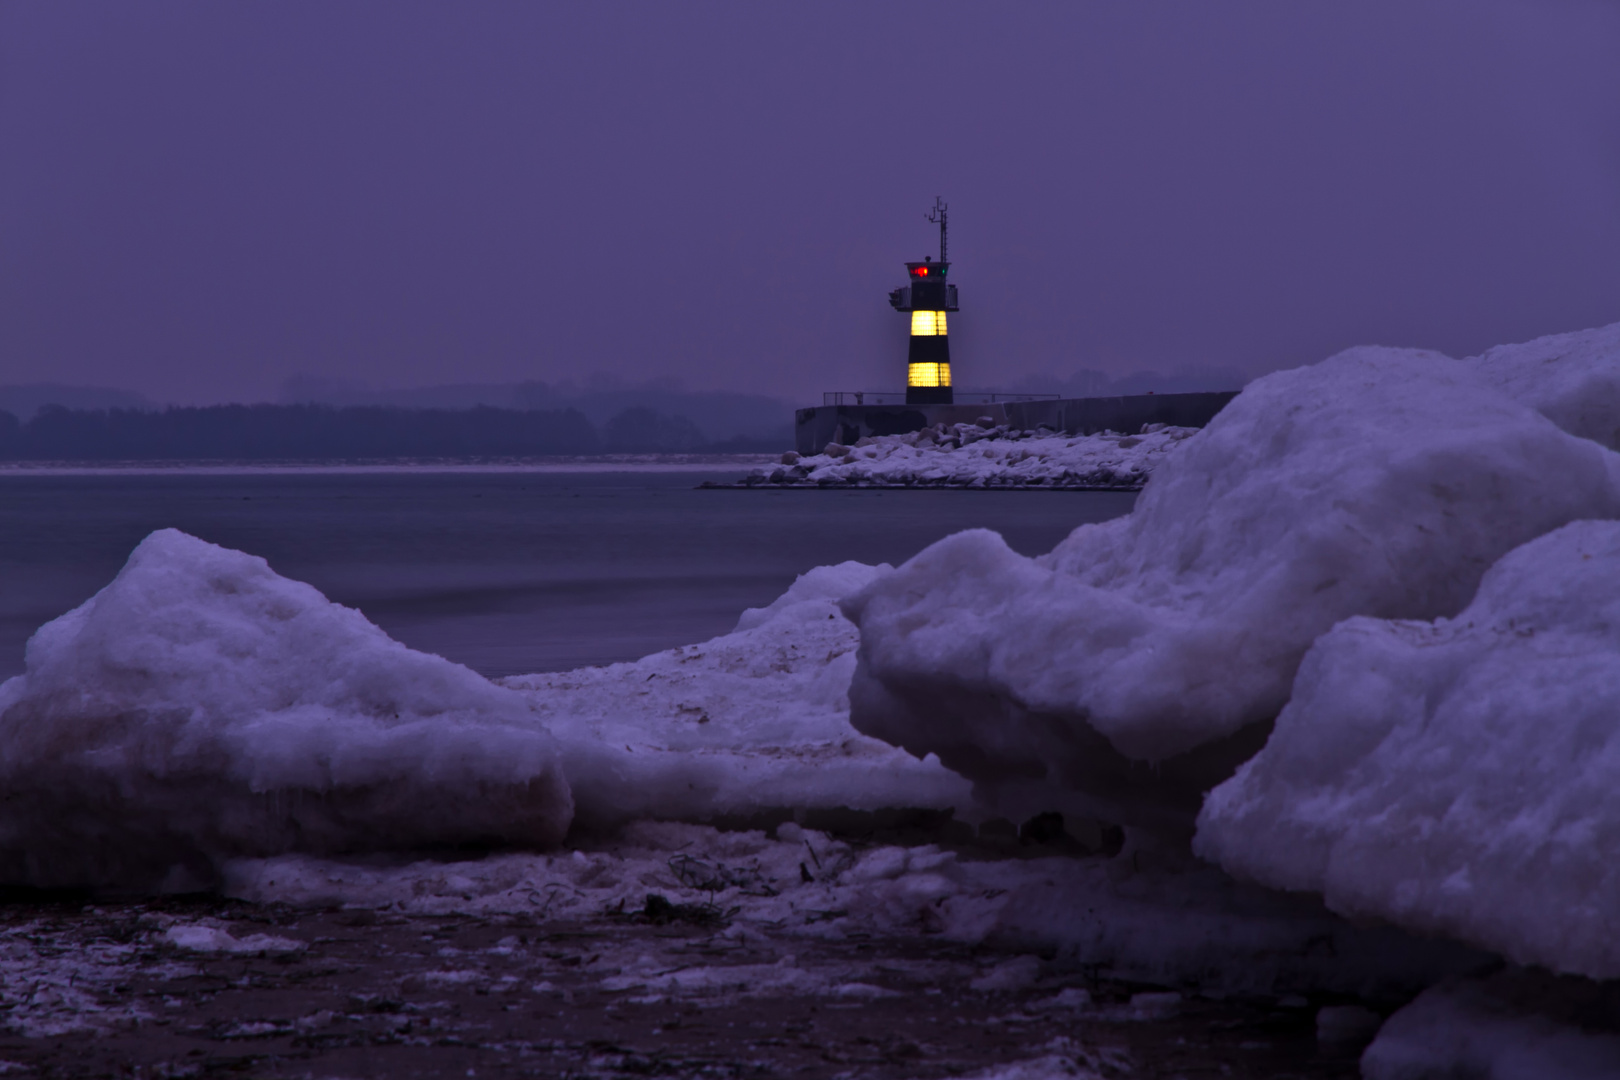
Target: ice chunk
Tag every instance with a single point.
(200, 706)
(1380, 482)
(751, 722)
(1459, 777)
(831, 583)
(200, 938)
(1572, 379)
(1019, 973)
(1478, 1030)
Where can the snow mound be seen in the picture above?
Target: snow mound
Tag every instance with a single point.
(1480, 1031)
(750, 722)
(1380, 482)
(1572, 379)
(965, 455)
(1459, 777)
(200, 707)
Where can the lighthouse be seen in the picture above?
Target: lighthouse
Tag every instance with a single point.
(928, 297)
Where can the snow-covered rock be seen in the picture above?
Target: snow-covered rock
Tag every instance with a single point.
(1510, 1027)
(966, 455)
(1572, 379)
(1459, 777)
(1140, 661)
(200, 707)
(749, 722)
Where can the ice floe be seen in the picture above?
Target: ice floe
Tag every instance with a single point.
(982, 456)
(200, 706)
(1457, 777)
(1380, 482)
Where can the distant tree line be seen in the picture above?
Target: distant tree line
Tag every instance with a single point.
(295, 432)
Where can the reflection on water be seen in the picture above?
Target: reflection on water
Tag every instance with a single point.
(506, 572)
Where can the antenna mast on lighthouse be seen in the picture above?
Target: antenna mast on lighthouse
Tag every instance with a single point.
(938, 216)
(927, 299)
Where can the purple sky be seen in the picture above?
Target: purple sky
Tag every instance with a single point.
(201, 199)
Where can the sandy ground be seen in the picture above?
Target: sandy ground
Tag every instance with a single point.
(113, 990)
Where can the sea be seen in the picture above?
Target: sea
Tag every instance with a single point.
(506, 570)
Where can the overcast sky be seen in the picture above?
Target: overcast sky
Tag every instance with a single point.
(201, 199)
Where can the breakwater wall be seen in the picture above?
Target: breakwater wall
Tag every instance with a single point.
(819, 425)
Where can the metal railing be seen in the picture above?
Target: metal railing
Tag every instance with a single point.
(898, 397)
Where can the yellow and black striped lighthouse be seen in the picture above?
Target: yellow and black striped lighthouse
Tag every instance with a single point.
(928, 297)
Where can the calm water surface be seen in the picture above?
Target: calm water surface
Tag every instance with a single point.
(503, 572)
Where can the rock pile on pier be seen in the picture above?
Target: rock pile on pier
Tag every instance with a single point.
(981, 455)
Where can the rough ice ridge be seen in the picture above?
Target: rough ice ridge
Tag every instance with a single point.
(200, 707)
(1459, 777)
(1379, 482)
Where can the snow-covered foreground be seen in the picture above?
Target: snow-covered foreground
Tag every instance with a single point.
(981, 456)
(1368, 608)
(197, 987)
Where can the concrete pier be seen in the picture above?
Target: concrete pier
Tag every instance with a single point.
(817, 426)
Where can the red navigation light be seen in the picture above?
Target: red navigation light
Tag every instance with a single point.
(922, 271)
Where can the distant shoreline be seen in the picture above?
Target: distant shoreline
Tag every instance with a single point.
(604, 463)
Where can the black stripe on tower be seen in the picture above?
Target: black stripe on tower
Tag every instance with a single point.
(929, 349)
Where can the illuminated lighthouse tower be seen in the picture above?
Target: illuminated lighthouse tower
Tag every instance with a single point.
(928, 298)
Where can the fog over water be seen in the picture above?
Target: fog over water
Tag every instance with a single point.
(504, 572)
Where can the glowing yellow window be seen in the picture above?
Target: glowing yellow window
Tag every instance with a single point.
(928, 375)
(927, 324)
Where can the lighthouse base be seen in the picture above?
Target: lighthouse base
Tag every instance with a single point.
(928, 395)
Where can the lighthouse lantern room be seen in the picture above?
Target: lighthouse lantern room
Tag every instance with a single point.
(928, 297)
